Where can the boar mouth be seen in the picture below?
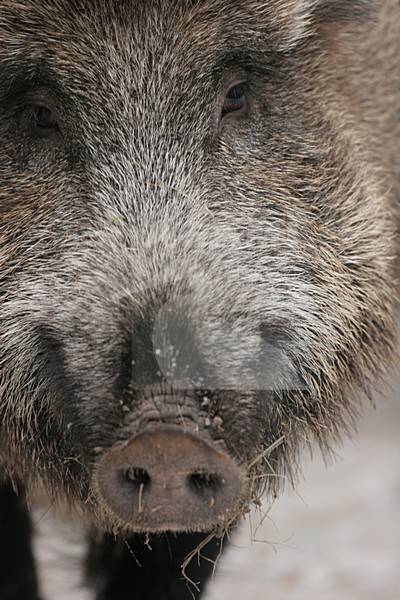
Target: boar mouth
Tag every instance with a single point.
(168, 479)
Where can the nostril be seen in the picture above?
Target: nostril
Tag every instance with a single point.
(135, 477)
(203, 483)
(135, 482)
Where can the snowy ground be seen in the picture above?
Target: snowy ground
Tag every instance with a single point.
(336, 538)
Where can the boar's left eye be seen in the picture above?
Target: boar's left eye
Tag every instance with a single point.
(43, 117)
(235, 100)
(44, 123)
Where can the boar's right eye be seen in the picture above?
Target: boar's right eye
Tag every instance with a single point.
(43, 120)
(44, 123)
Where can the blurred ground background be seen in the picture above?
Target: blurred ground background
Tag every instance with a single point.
(336, 538)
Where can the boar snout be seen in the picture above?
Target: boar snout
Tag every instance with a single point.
(169, 479)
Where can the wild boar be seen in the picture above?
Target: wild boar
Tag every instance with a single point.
(198, 240)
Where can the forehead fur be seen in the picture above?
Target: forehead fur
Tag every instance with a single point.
(283, 22)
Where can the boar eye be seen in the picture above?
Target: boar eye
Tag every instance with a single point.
(235, 100)
(43, 118)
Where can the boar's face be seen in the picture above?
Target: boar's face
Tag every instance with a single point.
(195, 249)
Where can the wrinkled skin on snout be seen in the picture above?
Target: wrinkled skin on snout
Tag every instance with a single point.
(197, 246)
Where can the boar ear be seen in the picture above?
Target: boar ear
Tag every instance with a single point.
(345, 10)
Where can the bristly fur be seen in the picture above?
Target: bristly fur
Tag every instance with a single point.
(274, 234)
